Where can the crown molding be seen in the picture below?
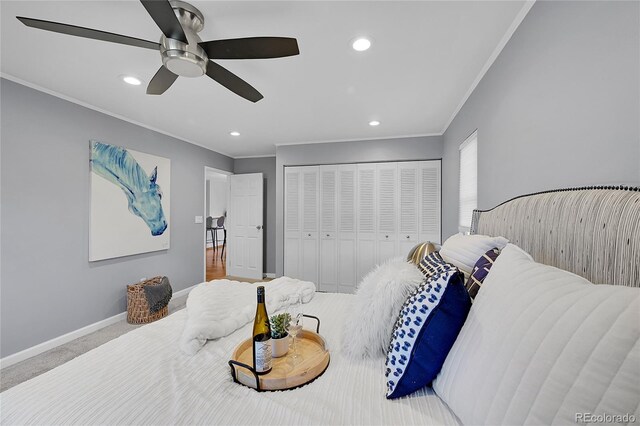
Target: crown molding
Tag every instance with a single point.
(103, 111)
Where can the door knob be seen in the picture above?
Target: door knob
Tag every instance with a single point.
(258, 227)
(308, 235)
(407, 237)
(386, 236)
(327, 235)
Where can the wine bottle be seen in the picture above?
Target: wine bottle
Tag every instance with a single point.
(262, 360)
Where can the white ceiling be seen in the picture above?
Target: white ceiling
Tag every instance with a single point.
(424, 59)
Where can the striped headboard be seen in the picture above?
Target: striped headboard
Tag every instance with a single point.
(593, 232)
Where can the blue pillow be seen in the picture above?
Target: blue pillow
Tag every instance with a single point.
(425, 331)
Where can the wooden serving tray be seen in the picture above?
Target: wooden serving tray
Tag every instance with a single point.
(313, 360)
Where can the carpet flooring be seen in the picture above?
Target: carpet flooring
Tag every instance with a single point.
(32, 367)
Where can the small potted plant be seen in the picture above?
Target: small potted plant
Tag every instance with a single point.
(279, 334)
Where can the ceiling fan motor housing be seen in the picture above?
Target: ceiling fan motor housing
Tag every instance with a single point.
(187, 60)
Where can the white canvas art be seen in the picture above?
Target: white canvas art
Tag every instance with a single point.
(130, 202)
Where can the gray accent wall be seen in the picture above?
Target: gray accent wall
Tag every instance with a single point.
(48, 286)
(266, 166)
(366, 151)
(558, 108)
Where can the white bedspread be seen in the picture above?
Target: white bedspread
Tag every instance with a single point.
(218, 308)
(143, 377)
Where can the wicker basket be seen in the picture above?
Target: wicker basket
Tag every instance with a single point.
(137, 307)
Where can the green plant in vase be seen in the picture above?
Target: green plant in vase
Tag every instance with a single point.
(280, 334)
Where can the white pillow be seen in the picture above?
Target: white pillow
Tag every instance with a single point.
(375, 308)
(464, 251)
(542, 345)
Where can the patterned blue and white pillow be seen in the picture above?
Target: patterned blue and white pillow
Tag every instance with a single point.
(432, 264)
(425, 331)
(480, 271)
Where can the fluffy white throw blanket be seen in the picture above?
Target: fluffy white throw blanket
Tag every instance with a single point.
(217, 308)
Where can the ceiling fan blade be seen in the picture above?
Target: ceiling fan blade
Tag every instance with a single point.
(161, 81)
(251, 48)
(73, 30)
(164, 16)
(232, 82)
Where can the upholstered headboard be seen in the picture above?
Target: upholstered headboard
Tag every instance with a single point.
(593, 232)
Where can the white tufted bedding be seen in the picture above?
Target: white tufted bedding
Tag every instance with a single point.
(142, 377)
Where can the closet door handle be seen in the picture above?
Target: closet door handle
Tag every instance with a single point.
(408, 237)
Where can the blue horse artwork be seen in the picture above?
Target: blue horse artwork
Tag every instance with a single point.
(144, 195)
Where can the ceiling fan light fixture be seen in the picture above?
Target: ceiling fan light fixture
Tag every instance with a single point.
(361, 44)
(374, 123)
(182, 51)
(234, 133)
(129, 79)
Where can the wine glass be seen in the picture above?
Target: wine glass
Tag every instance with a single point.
(295, 322)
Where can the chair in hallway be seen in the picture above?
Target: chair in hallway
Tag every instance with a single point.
(212, 229)
(220, 225)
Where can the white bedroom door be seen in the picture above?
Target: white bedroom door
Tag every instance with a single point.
(366, 213)
(244, 226)
(408, 201)
(430, 201)
(387, 235)
(347, 231)
(310, 224)
(328, 280)
(292, 222)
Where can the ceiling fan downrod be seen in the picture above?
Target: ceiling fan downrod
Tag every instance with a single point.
(185, 59)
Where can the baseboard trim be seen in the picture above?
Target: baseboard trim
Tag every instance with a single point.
(184, 291)
(60, 340)
(268, 275)
(68, 337)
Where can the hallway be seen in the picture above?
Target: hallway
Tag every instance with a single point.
(216, 267)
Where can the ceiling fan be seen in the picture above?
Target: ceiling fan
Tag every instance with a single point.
(183, 52)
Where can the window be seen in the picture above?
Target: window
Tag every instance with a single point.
(468, 181)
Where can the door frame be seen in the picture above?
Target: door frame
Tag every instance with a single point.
(208, 170)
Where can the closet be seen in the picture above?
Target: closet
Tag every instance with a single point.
(343, 220)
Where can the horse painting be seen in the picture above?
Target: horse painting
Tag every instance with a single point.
(144, 195)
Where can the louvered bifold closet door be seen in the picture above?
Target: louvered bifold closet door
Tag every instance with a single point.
(346, 228)
(310, 224)
(366, 219)
(409, 214)
(430, 200)
(328, 227)
(292, 222)
(387, 211)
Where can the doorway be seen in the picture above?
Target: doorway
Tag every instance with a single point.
(216, 201)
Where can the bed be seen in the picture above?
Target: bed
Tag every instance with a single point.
(142, 377)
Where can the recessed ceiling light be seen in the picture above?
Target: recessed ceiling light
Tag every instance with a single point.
(129, 79)
(361, 44)
(234, 133)
(374, 123)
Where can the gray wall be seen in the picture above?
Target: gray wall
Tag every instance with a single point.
(401, 149)
(48, 285)
(266, 166)
(558, 108)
